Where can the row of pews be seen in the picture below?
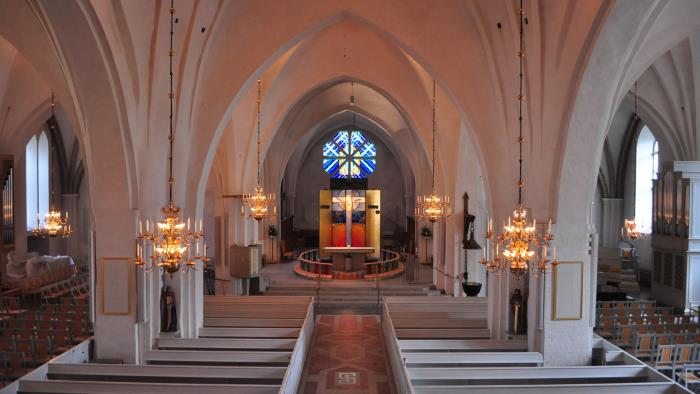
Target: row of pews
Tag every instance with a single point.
(251, 345)
(442, 345)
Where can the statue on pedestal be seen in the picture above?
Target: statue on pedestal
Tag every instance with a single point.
(517, 311)
(168, 311)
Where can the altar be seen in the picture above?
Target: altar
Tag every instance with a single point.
(348, 258)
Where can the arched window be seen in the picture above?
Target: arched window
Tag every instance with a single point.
(349, 154)
(37, 178)
(647, 166)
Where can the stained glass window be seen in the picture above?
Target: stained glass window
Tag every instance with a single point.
(349, 154)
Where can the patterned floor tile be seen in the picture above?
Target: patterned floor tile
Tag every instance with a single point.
(347, 355)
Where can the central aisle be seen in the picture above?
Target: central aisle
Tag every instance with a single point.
(347, 355)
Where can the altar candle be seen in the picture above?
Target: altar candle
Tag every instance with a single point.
(549, 226)
(484, 250)
(490, 228)
(201, 225)
(146, 225)
(554, 254)
(197, 246)
(188, 224)
(140, 227)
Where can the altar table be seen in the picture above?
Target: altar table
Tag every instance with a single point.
(348, 258)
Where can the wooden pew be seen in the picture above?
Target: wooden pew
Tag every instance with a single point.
(215, 357)
(252, 322)
(440, 323)
(466, 359)
(254, 332)
(444, 333)
(601, 388)
(167, 373)
(226, 344)
(461, 345)
(527, 376)
(256, 314)
(68, 386)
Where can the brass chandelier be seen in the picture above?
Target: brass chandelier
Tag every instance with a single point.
(522, 247)
(630, 230)
(259, 205)
(54, 222)
(433, 207)
(169, 243)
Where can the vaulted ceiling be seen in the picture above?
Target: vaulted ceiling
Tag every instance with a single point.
(306, 52)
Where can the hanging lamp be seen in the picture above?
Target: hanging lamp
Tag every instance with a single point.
(522, 248)
(259, 205)
(630, 229)
(433, 207)
(168, 245)
(55, 223)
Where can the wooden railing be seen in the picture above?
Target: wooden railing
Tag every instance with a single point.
(388, 264)
(311, 266)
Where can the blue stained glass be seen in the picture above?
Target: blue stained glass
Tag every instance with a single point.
(342, 140)
(330, 149)
(331, 165)
(368, 165)
(349, 154)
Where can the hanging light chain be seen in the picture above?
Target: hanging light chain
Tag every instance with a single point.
(259, 116)
(171, 97)
(521, 98)
(433, 160)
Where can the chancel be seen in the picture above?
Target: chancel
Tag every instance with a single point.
(369, 196)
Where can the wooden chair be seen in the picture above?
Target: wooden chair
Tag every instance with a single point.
(644, 347)
(664, 359)
(689, 374)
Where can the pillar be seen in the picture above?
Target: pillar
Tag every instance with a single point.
(613, 212)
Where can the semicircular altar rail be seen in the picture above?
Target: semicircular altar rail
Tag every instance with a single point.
(311, 266)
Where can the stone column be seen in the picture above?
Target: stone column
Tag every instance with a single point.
(613, 212)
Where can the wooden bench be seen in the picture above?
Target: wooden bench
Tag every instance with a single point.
(601, 388)
(245, 332)
(251, 322)
(443, 333)
(461, 345)
(63, 386)
(167, 373)
(440, 323)
(226, 344)
(465, 359)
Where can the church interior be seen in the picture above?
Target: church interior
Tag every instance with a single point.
(325, 196)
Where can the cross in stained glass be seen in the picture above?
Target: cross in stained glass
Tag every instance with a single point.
(349, 154)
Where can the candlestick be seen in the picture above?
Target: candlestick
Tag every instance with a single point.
(554, 254)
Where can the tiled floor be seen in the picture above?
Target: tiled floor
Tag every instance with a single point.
(347, 356)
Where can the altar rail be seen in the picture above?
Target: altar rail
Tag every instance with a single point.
(310, 266)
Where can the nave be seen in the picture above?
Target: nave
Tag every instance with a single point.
(350, 196)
